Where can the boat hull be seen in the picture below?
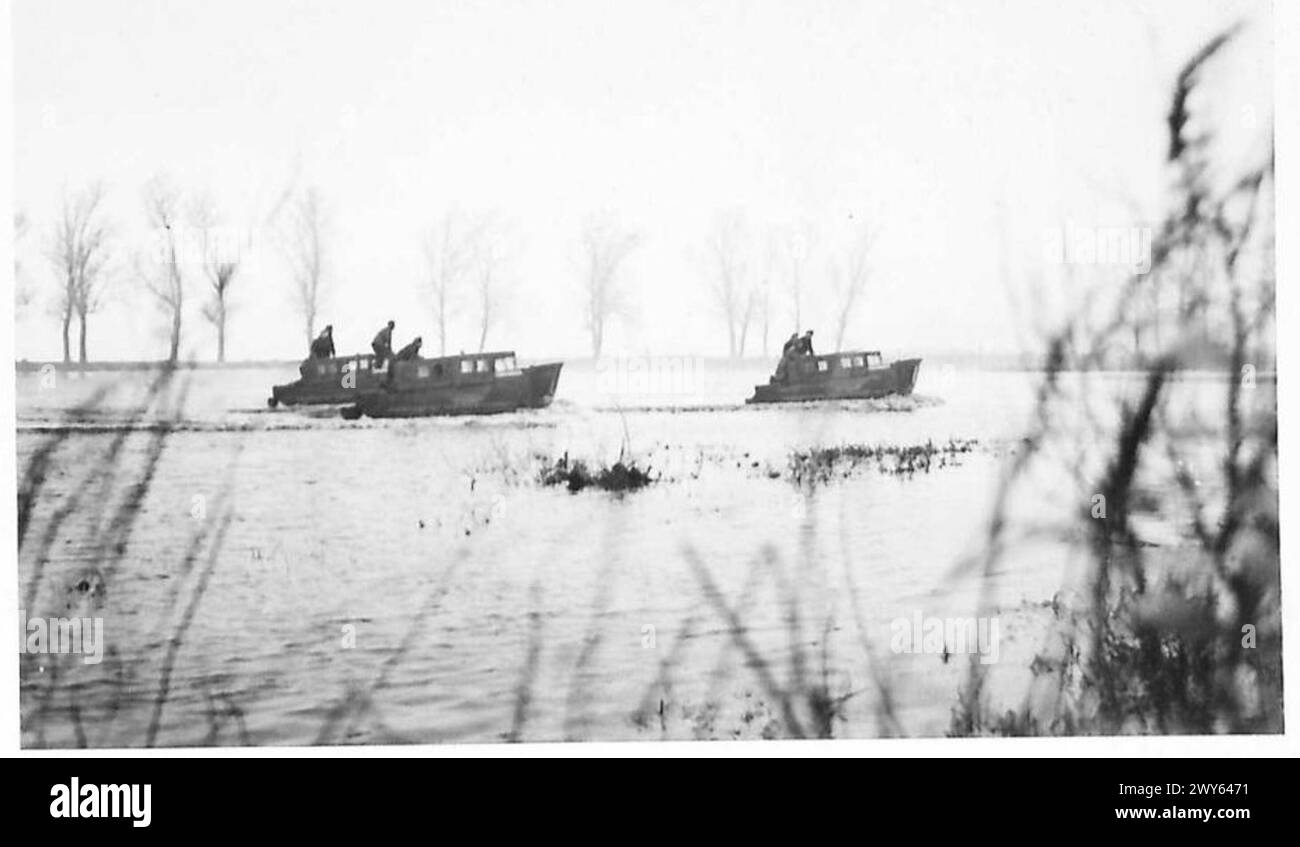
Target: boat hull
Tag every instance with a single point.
(528, 388)
(808, 384)
(329, 382)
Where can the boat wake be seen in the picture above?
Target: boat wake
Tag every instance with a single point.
(892, 403)
(671, 408)
(252, 420)
(261, 421)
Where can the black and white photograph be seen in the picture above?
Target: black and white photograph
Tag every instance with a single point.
(695, 375)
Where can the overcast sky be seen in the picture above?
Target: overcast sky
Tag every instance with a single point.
(962, 131)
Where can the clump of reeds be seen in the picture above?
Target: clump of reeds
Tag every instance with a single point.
(576, 475)
(1189, 642)
(820, 464)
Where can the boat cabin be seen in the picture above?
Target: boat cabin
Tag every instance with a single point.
(463, 368)
(846, 364)
(456, 370)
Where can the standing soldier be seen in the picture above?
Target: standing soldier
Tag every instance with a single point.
(383, 344)
(323, 345)
(805, 344)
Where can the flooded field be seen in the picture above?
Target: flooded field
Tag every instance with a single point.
(288, 577)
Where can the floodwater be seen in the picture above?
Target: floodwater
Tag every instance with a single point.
(287, 577)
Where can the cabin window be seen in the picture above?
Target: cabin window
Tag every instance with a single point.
(466, 366)
(363, 364)
(846, 361)
(858, 361)
(422, 372)
(506, 363)
(823, 365)
(482, 365)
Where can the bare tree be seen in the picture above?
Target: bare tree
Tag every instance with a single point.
(449, 252)
(490, 278)
(851, 280)
(728, 253)
(220, 265)
(87, 294)
(79, 251)
(307, 257)
(161, 270)
(605, 246)
(217, 310)
(795, 247)
(63, 253)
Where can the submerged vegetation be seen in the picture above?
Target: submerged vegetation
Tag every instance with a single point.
(820, 464)
(576, 475)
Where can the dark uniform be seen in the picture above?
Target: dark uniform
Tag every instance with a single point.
(409, 352)
(383, 345)
(322, 347)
